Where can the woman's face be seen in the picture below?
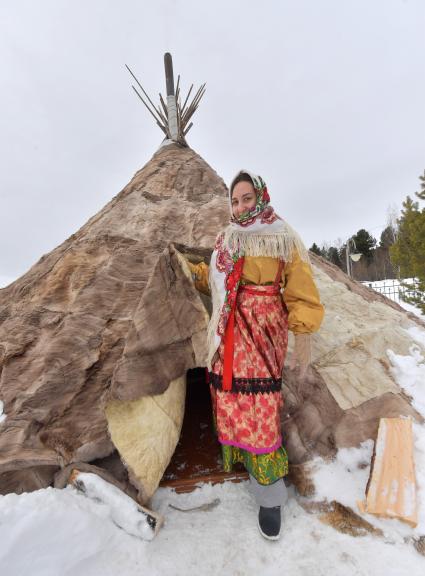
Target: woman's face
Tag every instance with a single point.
(243, 198)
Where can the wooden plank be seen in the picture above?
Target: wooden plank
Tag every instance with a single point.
(391, 489)
(183, 485)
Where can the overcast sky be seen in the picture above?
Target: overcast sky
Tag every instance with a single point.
(323, 98)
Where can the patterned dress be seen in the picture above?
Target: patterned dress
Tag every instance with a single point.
(247, 419)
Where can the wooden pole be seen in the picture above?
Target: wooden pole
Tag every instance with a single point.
(173, 124)
(169, 75)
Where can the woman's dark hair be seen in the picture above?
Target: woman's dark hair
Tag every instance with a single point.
(242, 177)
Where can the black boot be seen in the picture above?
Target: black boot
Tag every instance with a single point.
(269, 521)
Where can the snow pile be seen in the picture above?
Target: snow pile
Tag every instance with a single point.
(60, 532)
(409, 373)
(417, 334)
(124, 511)
(343, 479)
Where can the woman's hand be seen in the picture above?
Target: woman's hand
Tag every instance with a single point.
(193, 270)
(199, 274)
(301, 355)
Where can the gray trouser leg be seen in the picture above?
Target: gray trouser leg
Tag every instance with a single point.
(268, 496)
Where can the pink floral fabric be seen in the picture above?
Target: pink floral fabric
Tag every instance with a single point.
(232, 266)
(268, 216)
(251, 420)
(248, 421)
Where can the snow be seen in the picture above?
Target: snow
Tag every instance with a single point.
(412, 309)
(343, 479)
(60, 532)
(409, 372)
(124, 511)
(55, 532)
(391, 289)
(417, 334)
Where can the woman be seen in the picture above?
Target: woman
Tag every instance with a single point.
(254, 257)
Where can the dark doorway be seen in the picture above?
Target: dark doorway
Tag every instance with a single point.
(197, 457)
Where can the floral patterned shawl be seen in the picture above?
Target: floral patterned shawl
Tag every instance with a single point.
(258, 232)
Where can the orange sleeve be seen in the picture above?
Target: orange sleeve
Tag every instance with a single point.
(301, 297)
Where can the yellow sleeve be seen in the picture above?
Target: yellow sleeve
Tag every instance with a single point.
(301, 297)
(200, 273)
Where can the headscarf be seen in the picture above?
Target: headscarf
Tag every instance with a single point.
(257, 232)
(262, 199)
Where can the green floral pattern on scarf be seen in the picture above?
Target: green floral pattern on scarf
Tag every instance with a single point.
(262, 201)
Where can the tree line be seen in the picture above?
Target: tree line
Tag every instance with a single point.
(399, 253)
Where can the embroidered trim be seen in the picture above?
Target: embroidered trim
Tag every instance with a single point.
(251, 448)
(247, 385)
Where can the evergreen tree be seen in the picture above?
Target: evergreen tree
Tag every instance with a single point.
(315, 248)
(342, 258)
(408, 252)
(365, 243)
(333, 256)
(387, 237)
(421, 194)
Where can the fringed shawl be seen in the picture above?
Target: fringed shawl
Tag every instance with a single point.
(261, 232)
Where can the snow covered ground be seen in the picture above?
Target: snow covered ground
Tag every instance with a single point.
(62, 533)
(391, 289)
(53, 532)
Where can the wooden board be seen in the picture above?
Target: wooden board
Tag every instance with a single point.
(391, 489)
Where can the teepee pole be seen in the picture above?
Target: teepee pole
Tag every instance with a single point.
(171, 98)
(170, 115)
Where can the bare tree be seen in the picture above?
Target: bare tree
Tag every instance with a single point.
(393, 213)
